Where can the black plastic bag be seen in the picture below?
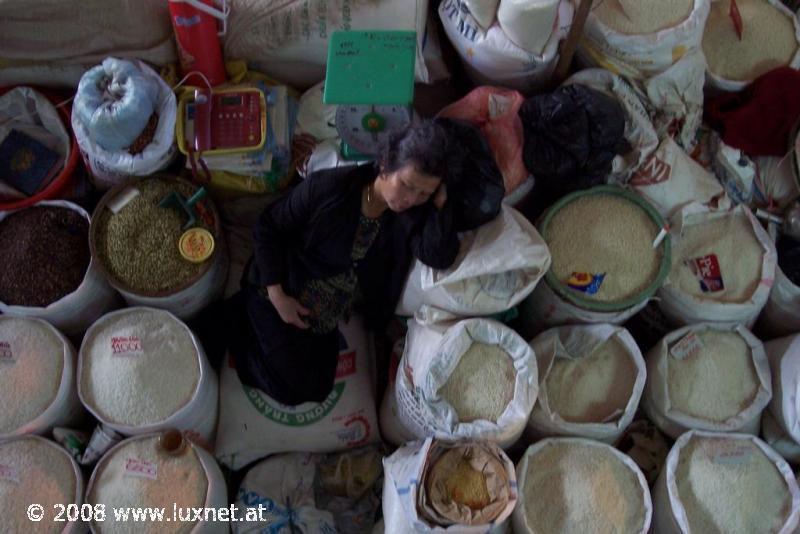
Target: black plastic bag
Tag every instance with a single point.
(789, 258)
(571, 137)
(474, 181)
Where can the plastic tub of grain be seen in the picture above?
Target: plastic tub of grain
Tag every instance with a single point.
(771, 39)
(141, 370)
(591, 378)
(642, 38)
(430, 486)
(707, 377)
(731, 483)
(137, 247)
(36, 470)
(37, 378)
(161, 470)
(472, 379)
(723, 266)
(784, 360)
(604, 266)
(47, 270)
(576, 485)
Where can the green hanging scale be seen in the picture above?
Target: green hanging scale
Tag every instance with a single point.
(370, 76)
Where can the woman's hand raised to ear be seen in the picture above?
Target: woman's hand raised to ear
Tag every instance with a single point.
(440, 197)
(290, 310)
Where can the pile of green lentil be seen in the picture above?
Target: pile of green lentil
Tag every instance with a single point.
(139, 244)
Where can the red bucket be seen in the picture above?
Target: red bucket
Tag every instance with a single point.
(65, 177)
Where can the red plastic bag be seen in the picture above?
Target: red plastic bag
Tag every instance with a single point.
(494, 111)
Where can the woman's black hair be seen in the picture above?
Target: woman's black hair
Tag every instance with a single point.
(422, 144)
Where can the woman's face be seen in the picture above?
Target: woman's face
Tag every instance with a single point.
(407, 187)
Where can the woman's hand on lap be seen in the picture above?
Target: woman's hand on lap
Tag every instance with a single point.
(290, 310)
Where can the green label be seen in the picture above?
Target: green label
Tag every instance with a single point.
(267, 408)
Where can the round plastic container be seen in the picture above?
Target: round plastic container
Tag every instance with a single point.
(64, 178)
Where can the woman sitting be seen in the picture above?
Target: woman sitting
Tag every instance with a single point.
(340, 233)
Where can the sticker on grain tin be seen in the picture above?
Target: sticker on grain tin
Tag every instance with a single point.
(196, 245)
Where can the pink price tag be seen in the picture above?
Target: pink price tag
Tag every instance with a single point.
(8, 472)
(121, 345)
(6, 354)
(689, 345)
(141, 469)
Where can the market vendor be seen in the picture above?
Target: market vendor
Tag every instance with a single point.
(341, 235)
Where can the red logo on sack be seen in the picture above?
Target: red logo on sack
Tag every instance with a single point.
(654, 171)
(346, 365)
(126, 345)
(708, 273)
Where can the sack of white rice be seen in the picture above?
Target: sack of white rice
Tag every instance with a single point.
(253, 425)
(37, 378)
(36, 470)
(770, 39)
(490, 57)
(731, 483)
(707, 377)
(642, 38)
(784, 361)
(467, 487)
(140, 246)
(159, 471)
(670, 180)
(47, 271)
(499, 264)
(605, 267)
(774, 435)
(570, 485)
(590, 381)
(305, 492)
(472, 379)
(723, 265)
(639, 130)
(141, 370)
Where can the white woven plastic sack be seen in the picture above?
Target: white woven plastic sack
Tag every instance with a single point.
(403, 471)
(484, 11)
(717, 82)
(197, 416)
(644, 55)
(75, 312)
(520, 521)
(784, 360)
(284, 486)
(777, 182)
(639, 131)
(498, 265)
(65, 408)
(670, 180)
(656, 399)
(781, 315)
(314, 117)
(773, 434)
(110, 167)
(288, 40)
(571, 342)
(432, 353)
(669, 515)
(683, 308)
(392, 429)
(528, 23)
(252, 425)
(489, 56)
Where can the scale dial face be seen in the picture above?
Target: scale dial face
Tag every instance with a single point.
(362, 127)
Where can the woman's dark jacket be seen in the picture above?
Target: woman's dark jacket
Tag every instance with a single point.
(308, 234)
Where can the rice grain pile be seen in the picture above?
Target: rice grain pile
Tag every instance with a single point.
(139, 367)
(768, 40)
(179, 479)
(34, 471)
(716, 382)
(482, 384)
(31, 376)
(592, 388)
(729, 486)
(575, 487)
(738, 252)
(642, 16)
(139, 245)
(603, 233)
